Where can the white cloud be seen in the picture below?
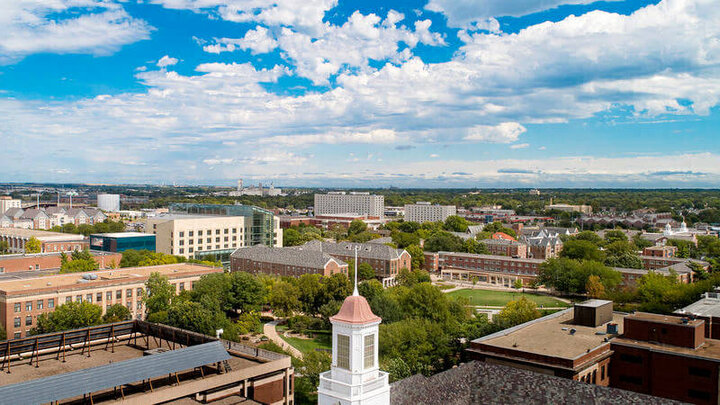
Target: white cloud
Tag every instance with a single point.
(375, 136)
(257, 41)
(505, 132)
(479, 14)
(34, 26)
(166, 61)
(520, 146)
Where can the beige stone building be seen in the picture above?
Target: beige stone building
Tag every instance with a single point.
(23, 299)
(197, 235)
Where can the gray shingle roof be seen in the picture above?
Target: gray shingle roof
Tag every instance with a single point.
(366, 251)
(14, 213)
(501, 242)
(483, 383)
(292, 256)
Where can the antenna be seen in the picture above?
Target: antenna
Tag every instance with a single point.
(355, 291)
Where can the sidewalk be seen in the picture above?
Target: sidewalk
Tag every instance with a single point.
(271, 333)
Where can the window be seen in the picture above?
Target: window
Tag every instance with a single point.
(16, 322)
(234, 230)
(118, 294)
(128, 293)
(88, 297)
(78, 298)
(98, 297)
(209, 240)
(199, 233)
(182, 234)
(369, 351)
(190, 234)
(182, 251)
(217, 240)
(182, 243)
(28, 320)
(226, 231)
(108, 296)
(40, 304)
(17, 335)
(217, 232)
(28, 306)
(51, 302)
(139, 305)
(602, 372)
(182, 286)
(139, 292)
(68, 299)
(699, 372)
(18, 307)
(343, 351)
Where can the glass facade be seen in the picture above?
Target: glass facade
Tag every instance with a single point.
(119, 243)
(259, 221)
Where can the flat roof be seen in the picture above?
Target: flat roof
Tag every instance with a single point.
(58, 281)
(46, 254)
(709, 350)
(667, 319)
(593, 303)
(550, 336)
(492, 257)
(42, 235)
(176, 216)
(122, 234)
(706, 306)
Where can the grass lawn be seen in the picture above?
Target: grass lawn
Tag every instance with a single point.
(322, 341)
(494, 298)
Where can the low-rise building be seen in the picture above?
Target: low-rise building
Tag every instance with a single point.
(23, 300)
(585, 209)
(52, 261)
(491, 269)
(660, 251)
(706, 308)
(287, 261)
(122, 241)
(340, 202)
(50, 241)
(427, 212)
(630, 277)
(505, 247)
(7, 202)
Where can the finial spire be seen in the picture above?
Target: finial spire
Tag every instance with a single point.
(355, 291)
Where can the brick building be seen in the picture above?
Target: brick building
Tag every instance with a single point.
(630, 277)
(660, 251)
(505, 247)
(50, 261)
(289, 261)
(659, 355)
(492, 269)
(51, 241)
(385, 260)
(23, 299)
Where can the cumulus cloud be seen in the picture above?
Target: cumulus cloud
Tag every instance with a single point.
(505, 132)
(258, 40)
(166, 61)
(479, 14)
(35, 26)
(519, 146)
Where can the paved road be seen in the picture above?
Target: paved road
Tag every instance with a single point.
(271, 333)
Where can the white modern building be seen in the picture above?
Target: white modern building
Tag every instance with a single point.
(340, 202)
(108, 202)
(426, 212)
(354, 377)
(7, 202)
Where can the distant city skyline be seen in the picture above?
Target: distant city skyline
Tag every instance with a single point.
(333, 93)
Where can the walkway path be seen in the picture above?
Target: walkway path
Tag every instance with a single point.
(271, 333)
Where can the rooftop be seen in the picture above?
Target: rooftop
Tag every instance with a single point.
(41, 235)
(293, 256)
(670, 320)
(491, 257)
(550, 336)
(709, 350)
(122, 234)
(708, 306)
(356, 310)
(70, 280)
(484, 383)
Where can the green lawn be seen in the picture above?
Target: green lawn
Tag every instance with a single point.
(501, 298)
(322, 341)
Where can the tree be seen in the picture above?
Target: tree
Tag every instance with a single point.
(365, 271)
(594, 287)
(418, 256)
(370, 289)
(3, 333)
(582, 250)
(291, 237)
(215, 290)
(247, 291)
(571, 276)
(356, 226)
(310, 288)
(78, 266)
(516, 312)
(641, 242)
(116, 313)
(314, 363)
(33, 245)
(72, 315)
(518, 284)
(158, 293)
(404, 239)
(622, 254)
(4, 247)
(615, 236)
(195, 317)
(456, 223)
(284, 298)
(589, 236)
(444, 241)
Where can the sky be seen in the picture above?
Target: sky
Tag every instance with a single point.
(409, 93)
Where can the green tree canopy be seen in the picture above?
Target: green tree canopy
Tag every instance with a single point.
(516, 312)
(116, 313)
(33, 245)
(71, 315)
(418, 257)
(158, 293)
(444, 241)
(456, 223)
(582, 250)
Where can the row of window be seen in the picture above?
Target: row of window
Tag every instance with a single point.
(209, 232)
(17, 322)
(343, 351)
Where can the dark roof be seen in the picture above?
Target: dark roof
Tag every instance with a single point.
(76, 383)
(483, 383)
(293, 256)
(366, 251)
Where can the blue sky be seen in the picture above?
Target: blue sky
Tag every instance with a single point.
(427, 93)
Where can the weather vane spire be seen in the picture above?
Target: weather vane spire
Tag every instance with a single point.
(355, 291)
